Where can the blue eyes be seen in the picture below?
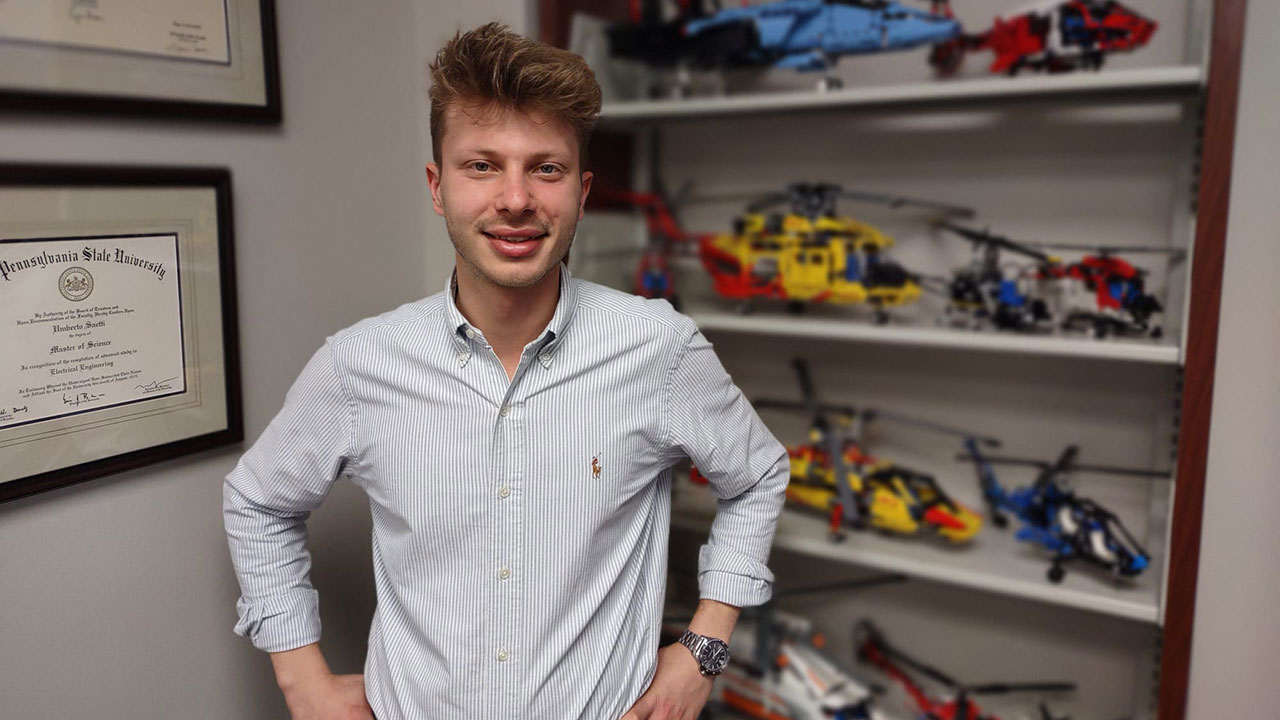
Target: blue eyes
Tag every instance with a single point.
(544, 169)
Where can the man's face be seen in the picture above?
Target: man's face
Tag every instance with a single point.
(511, 192)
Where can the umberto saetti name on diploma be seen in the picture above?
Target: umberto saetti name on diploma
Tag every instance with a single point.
(88, 323)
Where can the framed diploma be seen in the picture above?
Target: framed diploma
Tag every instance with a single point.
(209, 59)
(118, 341)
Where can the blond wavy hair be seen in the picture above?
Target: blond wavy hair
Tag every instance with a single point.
(491, 65)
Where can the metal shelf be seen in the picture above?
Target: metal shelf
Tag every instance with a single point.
(1126, 85)
(1144, 351)
(994, 561)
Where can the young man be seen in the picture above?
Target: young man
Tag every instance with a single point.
(515, 435)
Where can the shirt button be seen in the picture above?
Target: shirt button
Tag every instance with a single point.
(544, 358)
(503, 412)
(502, 656)
(504, 573)
(504, 492)
(471, 333)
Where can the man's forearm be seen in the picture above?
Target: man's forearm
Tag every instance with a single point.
(299, 667)
(714, 619)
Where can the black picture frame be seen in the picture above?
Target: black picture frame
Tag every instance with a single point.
(213, 361)
(135, 84)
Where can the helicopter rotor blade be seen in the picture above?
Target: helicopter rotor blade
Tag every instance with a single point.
(872, 414)
(1004, 688)
(1001, 460)
(814, 198)
(1113, 470)
(899, 201)
(876, 637)
(806, 385)
(869, 414)
(1109, 249)
(1103, 469)
(1061, 466)
(988, 238)
(858, 584)
(767, 201)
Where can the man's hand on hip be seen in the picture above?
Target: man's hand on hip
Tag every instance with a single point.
(678, 691)
(312, 692)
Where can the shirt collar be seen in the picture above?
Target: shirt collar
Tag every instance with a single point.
(548, 342)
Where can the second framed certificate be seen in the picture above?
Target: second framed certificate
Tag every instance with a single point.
(206, 59)
(117, 321)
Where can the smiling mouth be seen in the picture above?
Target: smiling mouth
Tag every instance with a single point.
(514, 238)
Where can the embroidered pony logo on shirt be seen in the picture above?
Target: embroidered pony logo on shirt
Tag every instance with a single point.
(595, 467)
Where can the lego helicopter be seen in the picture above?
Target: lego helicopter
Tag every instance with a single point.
(872, 647)
(1052, 36)
(1071, 527)
(833, 476)
(985, 291)
(1101, 292)
(1107, 295)
(811, 254)
(779, 669)
(804, 35)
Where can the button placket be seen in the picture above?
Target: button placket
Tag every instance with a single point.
(508, 519)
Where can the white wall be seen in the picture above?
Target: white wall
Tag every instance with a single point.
(117, 596)
(1236, 647)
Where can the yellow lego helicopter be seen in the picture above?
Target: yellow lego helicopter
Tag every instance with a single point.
(875, 493)
(811, 254)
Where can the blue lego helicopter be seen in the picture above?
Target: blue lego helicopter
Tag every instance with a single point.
(1054, 517)
(804, 35)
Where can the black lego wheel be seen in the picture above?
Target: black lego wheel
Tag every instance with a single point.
(1056, 573)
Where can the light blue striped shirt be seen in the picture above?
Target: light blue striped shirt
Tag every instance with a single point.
(519, 526)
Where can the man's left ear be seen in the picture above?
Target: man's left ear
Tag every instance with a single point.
(586, 189)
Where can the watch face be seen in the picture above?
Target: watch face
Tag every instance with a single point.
(715, 656)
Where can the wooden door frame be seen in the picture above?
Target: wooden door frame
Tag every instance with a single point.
(1213, 204)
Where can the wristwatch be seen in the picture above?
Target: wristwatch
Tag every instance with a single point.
(711, 653)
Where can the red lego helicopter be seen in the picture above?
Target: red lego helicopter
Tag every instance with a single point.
(1050, 35)
(1121, 304)
(1100, 292)
(873, 648)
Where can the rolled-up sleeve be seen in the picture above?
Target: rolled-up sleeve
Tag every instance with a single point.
(712, 423)
(268, 497)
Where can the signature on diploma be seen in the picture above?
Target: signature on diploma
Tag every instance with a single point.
(79, 399)
(156, 386)
(22, 409)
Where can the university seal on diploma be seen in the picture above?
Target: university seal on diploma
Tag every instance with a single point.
(75, 283)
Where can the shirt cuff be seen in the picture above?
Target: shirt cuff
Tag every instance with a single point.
(284, 622)
(731, 578)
